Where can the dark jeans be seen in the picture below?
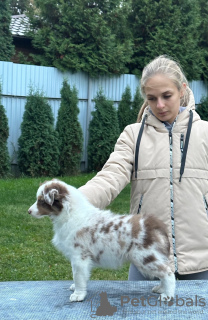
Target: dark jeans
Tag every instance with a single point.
(135, 275)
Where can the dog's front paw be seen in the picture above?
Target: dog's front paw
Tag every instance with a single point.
(74, 297)
(72, 287)
(157, 289)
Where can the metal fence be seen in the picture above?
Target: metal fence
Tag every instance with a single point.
(17, 79)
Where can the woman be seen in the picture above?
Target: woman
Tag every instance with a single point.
(165, 156)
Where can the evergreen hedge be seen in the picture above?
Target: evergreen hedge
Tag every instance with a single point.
(103, 132)
(6, 40)
(128, 111)
(202, 109)
(4, 134)
(124, 109)
(38, 144)
(70, 131)
(136, 105)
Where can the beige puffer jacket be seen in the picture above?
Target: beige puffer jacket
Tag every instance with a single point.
(152, 188)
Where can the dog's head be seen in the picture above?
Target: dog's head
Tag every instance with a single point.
(51, 197)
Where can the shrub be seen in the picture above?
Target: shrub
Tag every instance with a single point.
(70, 132)
(6, 48)
(38, 144)
(4, 134)
(202, 109)
(103, 132)
(136, 105)
(124, 109)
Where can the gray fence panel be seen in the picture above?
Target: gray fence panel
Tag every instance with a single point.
(17, 79)
(199, 89)
(113, 87)
(14, 109)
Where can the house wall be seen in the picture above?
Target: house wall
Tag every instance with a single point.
(23, 47)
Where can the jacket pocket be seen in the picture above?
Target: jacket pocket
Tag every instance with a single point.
(205, 197)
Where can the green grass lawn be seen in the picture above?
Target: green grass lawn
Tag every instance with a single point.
(26, 252)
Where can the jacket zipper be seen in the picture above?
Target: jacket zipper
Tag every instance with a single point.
(140, 204)
(171, 199)
(206, 205)
(182, 144)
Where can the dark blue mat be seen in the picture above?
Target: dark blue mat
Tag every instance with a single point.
(48, 300)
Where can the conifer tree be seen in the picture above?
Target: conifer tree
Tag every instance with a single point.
(136, 105)
(103, 132)
(6, 48)
(4, 134)
(168, 27)
(76, 35)
(203, 37)
(202, 109)
(38, 143)
(124, 109)
(70, 131)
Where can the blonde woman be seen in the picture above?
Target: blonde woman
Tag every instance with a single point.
(165, 157)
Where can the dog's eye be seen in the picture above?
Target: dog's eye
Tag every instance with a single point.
(41, 201)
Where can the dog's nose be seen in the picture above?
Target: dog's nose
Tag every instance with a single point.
(29, 211)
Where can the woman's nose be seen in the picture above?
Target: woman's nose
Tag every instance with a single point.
(160, 103)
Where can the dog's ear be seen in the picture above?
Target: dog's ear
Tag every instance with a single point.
(50, 196)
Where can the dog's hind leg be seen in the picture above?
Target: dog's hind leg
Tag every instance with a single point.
(166, 288)
(81, 275)
(153, 269)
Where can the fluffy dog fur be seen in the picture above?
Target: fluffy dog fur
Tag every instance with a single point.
(90, 237)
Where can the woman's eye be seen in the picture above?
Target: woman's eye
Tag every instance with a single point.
(167, 97)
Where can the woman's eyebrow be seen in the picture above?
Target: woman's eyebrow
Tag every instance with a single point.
(165, 92)
(150, 95)
(168, 91)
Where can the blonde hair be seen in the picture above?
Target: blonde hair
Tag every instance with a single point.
(168, 67)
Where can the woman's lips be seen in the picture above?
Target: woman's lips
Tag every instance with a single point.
(163, 113)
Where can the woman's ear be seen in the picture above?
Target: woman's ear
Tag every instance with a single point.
(183, 89)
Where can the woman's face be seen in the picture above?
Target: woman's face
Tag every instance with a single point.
(163, 97)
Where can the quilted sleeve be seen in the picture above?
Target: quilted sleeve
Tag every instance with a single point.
(116, 173)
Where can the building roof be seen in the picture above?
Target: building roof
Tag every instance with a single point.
(19, 25)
